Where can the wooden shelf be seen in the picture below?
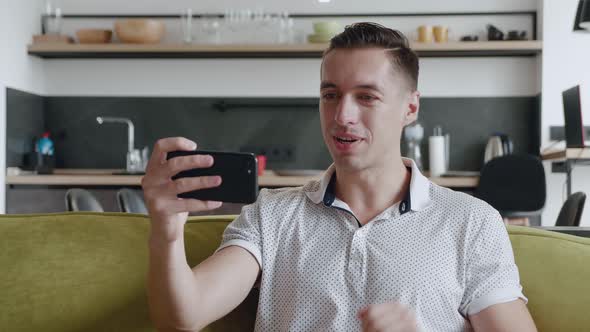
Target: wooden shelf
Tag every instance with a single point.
(578, 153)
(80, 177)
(98, 51)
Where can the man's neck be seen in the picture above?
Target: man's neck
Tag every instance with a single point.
(371, 191)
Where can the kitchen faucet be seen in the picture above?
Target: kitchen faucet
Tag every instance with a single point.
(136, 161)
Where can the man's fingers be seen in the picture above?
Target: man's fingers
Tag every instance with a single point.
(165, 145)
(162, 198)
(179, 164)
(375, 312)
(184, 185)
(379, 321)
(386, 317)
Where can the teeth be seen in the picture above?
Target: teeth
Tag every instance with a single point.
(346, 140)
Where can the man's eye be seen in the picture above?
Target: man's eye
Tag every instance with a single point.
(329, 96)
(366, 98)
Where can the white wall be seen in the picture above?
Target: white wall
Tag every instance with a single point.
(19, 20)
(305, 6)
(439, 77)
(565, 64)
(476, 77)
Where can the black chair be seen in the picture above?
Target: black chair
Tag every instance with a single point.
(82, 200)
(130, 201)
(514, 185)
(571, 210)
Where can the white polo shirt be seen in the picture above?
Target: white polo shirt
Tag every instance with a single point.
(442, 253)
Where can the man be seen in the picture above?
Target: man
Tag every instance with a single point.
(374, 245)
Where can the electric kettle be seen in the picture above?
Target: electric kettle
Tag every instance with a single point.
(498, 145)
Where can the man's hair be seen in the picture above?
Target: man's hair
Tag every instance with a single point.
(367, 34)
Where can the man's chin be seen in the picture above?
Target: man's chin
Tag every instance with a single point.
(349, 163)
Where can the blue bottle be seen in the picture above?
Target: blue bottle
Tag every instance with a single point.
(45, 145)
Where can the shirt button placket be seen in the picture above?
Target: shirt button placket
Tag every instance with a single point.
(356, 256)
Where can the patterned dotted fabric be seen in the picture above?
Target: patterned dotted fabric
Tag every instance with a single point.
(447, 257)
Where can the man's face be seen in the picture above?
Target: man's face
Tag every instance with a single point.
(364, 104)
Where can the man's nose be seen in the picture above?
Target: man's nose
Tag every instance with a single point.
(347, 111)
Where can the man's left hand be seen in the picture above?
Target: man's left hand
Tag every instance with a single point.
(388, 317)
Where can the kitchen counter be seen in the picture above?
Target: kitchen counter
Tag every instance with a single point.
(105, 177)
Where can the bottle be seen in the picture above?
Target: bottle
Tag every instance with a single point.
(437, 153)
(45, 145)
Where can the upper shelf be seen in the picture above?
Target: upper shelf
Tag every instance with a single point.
(97, 51)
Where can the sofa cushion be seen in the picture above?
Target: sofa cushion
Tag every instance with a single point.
(555, 274)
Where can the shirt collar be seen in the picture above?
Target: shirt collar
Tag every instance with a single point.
(417, 199)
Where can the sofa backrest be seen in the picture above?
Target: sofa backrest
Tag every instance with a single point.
(86, 272)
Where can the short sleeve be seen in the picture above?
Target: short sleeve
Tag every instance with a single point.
(491, 273)
(244, 232)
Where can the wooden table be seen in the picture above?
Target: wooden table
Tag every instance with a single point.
(105, 177)
(566, 159)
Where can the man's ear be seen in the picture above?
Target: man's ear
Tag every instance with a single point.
(413, 107)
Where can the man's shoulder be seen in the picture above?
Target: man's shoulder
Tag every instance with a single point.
(467, 214)
(460, 202)
(287, 194)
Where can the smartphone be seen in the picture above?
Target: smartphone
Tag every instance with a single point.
(238, 171)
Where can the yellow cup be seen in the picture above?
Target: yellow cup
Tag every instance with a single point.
(441, 34)
(425, 34)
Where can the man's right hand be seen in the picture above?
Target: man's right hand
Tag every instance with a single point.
(169, 213)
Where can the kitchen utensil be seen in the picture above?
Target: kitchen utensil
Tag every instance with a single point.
(186, 22)
(494, 33)
(261, 162)
(327, 28)
(94, 36)
(53, 20)
(413, 135)
(140, 31)
(425, 34)
(318, 38)
(498, 145)
(516, 35)
(447, 152)
(470, 38)
(441, 34)
(324, 31)
(507, 145)
(493, 148)
(209, 31)
(437, 152)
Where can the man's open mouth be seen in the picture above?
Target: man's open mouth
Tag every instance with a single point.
(345, 140)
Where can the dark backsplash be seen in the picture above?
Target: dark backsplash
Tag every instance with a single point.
(24, 121)
(233, 124)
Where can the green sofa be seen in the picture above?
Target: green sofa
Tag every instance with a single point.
(86, 272)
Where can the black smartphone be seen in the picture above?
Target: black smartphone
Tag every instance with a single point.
(238, 171)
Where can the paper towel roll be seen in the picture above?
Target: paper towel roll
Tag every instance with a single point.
(436, 154)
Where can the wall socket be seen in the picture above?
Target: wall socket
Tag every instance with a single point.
(273, 153)
(557, 133)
